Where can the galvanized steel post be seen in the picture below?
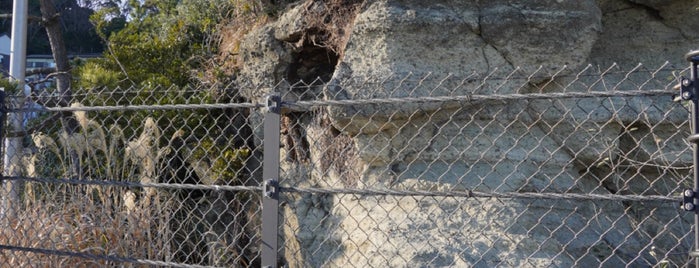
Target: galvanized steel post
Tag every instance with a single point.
(270, 175)
(689, 91)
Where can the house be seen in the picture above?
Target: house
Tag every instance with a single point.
(33, 62)
(4, 54)
(37, 62)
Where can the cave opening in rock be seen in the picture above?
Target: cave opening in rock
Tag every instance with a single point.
(312, 63)
(312, 66)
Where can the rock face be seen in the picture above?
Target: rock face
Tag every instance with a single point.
(455, 48)
(467, 37)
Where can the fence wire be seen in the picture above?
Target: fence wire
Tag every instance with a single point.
(499, 169)
(136, 176)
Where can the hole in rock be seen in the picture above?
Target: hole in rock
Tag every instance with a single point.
(312, 64)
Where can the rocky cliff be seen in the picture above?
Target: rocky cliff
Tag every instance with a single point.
(337, 50)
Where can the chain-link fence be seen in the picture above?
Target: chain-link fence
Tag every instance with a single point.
(510, 168)
(153, 176)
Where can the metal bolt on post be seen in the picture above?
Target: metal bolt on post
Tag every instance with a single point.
(689, 91)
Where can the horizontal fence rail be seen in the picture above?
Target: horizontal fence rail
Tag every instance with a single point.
(499, 169)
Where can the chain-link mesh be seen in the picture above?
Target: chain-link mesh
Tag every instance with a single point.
(152, 176)
(503, 169)
(509, 168)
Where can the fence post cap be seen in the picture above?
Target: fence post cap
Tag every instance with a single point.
(692, 56)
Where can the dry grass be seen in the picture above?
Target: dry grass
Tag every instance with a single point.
(79, 225)
(246, 16)
(231, 35)
(109, 220)
(95, 220)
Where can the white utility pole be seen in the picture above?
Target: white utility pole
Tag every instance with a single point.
(13, 145)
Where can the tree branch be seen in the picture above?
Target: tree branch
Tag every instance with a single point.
(31, 18)
(63, 77)
(123, 70)
(40, 71)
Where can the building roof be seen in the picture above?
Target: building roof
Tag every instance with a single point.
(5, 44)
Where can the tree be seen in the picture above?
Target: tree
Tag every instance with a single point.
(160, 45)
(5, 23)
(51, 21)
(80, 33)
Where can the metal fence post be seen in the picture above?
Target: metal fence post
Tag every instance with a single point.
(3, 118)
(689, 91)
(270, 175)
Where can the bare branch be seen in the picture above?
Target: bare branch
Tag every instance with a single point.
(116, 59)
(30, 18)
(45, 79)
(41, 71)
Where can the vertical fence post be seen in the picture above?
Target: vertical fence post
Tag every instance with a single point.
(12, 158)
(3, 118)
(689, 91)
(5, 203)
(13, 150)
(270, 176)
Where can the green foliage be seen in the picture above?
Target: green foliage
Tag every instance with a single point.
(225, 161)
(78, 33)
(146, 58)
(93, 73)
(107, 20)
(165, 42)
(161, 44)
(196, 122)
(10, 86)
(156, 54)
